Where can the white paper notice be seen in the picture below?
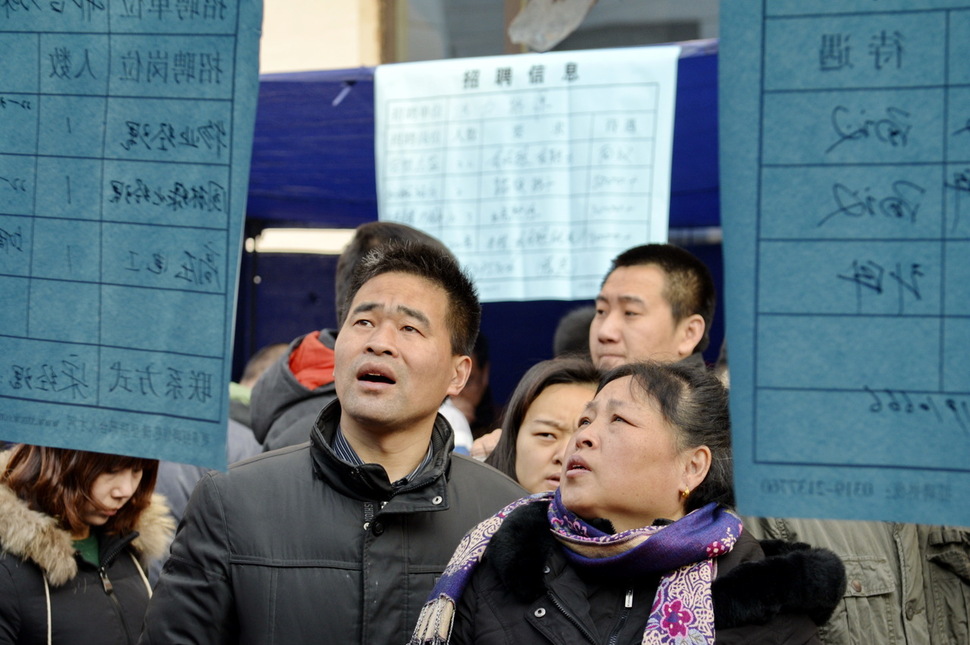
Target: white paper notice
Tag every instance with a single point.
(535, 169)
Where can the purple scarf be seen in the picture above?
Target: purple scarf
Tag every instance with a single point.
(682, 553)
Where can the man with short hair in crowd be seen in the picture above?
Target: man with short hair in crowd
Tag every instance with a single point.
(656, 302)
(288, 397)
(341, 539)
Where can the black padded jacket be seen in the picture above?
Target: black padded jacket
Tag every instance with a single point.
(296, 546)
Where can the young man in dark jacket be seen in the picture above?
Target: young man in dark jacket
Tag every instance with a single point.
(341, 540)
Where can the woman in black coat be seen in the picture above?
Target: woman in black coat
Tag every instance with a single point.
(639, 544)
(77, 531)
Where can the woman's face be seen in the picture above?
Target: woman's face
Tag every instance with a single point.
(545, 433)
(110, 491)
(623, 463)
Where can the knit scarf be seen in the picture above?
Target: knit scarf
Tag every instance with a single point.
(682, 553)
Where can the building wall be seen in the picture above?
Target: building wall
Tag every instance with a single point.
(303, 35)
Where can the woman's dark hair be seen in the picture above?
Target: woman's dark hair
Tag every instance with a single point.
(695, 403)
(486, 412)
(58, 482)
(540, 376)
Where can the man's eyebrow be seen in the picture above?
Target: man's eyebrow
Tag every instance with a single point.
(630, 298)
(625, 298)
(402, 309)
(414, 313)
(366, 306)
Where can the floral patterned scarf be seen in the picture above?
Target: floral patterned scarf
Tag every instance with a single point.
(682, 553)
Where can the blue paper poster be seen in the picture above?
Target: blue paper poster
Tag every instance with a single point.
(125, 136)
(845, 160)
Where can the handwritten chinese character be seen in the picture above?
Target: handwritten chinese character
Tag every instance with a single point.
(173, 386)
(834, 52)
(887, 49)
(183, 67)
(122, 376)
(200, 388)
(210, 69)
(157, 67)
(130, 67)
(75, 373)
(866, 274)
(145, 379)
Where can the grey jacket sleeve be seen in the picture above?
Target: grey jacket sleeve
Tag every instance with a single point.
(193, 602)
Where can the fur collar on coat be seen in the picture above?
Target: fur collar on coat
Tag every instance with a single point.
(790, 578)
(35, 536)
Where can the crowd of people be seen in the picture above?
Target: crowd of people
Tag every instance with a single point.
(379, 495)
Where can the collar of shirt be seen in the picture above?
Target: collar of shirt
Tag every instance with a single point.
(347, 454)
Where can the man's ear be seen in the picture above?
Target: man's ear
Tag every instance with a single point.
(460, 373)
(691, 331)
(697, 466)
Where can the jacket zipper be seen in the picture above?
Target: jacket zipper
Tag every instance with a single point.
(109, 557)
(571, 618)
(627, 605)
(109, 591)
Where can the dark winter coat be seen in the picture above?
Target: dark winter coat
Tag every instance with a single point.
(282, 408)
(526, 592)
(296, 546)
(86, 604)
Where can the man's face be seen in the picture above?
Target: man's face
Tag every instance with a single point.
(393, 363)
(634, 321)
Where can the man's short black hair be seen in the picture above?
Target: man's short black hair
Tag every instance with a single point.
(688, 288)
(368, 236)
(439, 267)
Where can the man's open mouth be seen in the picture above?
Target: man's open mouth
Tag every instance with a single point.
(376, 378)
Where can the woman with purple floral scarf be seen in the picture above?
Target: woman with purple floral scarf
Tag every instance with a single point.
(639, 544)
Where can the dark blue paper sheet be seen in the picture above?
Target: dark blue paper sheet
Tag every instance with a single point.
(125, 139)
(845, 160)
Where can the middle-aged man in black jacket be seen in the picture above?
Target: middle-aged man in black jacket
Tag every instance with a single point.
(340, 540)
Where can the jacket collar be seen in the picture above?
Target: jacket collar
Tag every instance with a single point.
(369, 482)
(35, 536)
(694, 361)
